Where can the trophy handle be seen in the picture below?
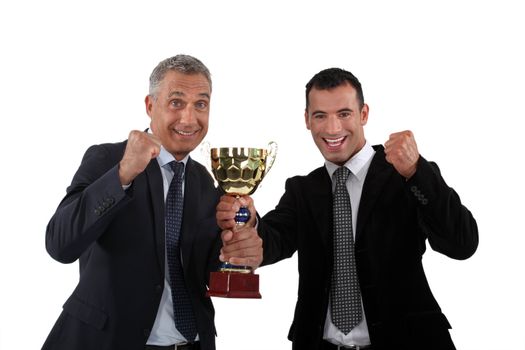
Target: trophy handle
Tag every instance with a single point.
(205, 150)
(272, 153)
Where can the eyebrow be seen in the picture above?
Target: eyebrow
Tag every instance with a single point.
(339, 111)
(181, 94)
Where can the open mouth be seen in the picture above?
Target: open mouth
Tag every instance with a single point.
(186, 133)
(334, 143)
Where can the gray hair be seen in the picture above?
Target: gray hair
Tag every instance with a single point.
(181, 63)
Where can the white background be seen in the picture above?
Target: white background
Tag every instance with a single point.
(75, 73)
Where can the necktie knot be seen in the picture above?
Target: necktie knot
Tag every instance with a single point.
(178, 170)
(341, 175)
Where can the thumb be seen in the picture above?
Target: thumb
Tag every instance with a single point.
(226, 236)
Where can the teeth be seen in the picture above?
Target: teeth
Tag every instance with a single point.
(185, 133)
(335, 141)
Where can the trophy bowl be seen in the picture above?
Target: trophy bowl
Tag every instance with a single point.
(239, 170)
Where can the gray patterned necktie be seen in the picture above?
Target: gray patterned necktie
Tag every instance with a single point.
(182, 309)
(345, 293)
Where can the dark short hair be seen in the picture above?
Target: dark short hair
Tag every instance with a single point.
(333, 77)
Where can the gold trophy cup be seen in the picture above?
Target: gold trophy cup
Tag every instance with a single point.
(239, 171)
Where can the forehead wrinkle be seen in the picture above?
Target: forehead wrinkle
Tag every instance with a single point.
(182, 94)
(176, 93)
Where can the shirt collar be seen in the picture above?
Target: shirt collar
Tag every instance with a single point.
(356, 163)
(166, 157)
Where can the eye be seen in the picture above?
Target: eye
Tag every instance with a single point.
(177, 103)
(319, 116)
(344, 114)
(202, 105)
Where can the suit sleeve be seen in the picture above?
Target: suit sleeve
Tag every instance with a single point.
(92, 199)
(278, 228)
(448, 224)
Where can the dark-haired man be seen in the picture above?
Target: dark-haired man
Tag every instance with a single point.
(359, 225)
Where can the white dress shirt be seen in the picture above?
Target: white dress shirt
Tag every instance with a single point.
(358, 165)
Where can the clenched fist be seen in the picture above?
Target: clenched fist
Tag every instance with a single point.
(401, 151)
(140, 150)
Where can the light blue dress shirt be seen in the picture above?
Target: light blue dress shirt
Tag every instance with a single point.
(164, 331)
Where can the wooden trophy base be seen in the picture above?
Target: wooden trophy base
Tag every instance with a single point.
(228, 284)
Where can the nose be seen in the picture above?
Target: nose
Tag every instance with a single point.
(187, 115)
(333, 124)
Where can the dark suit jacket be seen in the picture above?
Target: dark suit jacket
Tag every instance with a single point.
(118, 237)
(395, 219)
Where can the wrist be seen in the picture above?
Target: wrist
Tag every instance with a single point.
(124, 177)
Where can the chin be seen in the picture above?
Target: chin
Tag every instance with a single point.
(339, 160)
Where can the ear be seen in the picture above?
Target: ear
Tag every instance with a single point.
(149, 104)
(307, 119)
(364, 114)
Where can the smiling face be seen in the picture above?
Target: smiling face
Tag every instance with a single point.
(179, 111)
(336, 122)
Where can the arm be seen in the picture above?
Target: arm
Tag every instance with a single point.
(96, 194)
(274, 238)
(86, 211)
(279, 228)
(448, 225)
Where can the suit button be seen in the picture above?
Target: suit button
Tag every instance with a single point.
(158, 288)
(146, 332)
(97, 212)
(413, 189)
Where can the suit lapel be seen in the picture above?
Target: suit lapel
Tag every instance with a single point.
(154, 178)
(192, 193)
(378, 173)
(320, 204)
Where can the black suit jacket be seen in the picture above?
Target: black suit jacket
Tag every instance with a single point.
(119, 238)
(395, 219)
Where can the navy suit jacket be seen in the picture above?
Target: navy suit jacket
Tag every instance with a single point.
(395, 219)
(119, 239)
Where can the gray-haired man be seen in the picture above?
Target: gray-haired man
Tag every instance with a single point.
(144, 259)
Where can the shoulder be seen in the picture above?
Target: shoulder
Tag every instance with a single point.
(109, 151)
(315, 177)
(197, 169)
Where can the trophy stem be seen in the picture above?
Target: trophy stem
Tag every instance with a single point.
(241, 218)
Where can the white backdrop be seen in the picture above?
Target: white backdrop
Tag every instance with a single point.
(75, 73)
